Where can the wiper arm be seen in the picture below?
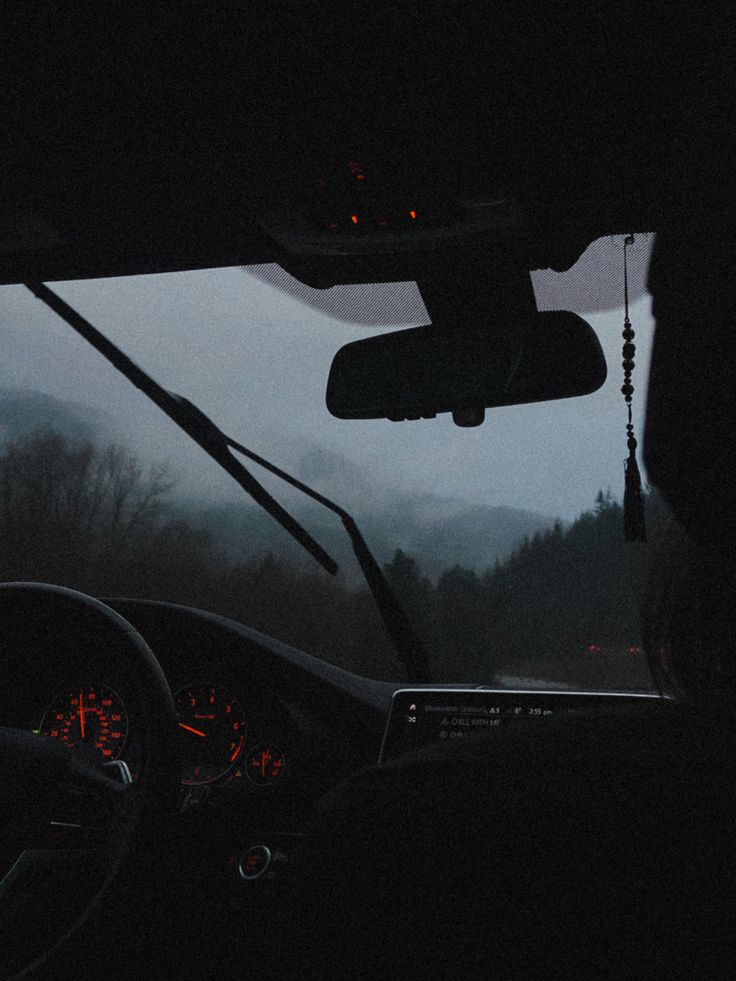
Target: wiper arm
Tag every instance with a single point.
(217, 445)
(408, 645)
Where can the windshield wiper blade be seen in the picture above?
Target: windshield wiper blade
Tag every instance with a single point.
(176, 409)
(217, 445)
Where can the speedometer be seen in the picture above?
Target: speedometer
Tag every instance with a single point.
(86, 717)
(212, 724)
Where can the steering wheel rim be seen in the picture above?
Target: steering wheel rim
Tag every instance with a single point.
(143, 812)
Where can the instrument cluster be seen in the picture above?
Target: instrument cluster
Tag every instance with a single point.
(220, 740)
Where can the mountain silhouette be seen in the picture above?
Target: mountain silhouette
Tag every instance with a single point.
(23, 412)
(439, 532)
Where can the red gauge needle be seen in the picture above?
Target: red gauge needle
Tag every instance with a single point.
(197, 732)
(81, 714)
(237, 750)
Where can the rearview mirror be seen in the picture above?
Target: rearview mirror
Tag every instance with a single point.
(417, 373)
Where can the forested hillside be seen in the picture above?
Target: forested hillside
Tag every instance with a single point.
(438, 530)
(24, 411)
(563, 606)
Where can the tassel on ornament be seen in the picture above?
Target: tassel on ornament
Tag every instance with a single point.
(635, 529)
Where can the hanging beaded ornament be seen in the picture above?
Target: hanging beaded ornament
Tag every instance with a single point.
(634, 523)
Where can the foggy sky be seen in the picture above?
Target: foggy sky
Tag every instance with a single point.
(257, 362)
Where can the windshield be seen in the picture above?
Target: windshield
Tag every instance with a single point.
(504, 543)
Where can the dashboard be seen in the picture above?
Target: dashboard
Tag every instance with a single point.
(302, 784)
(265, 730)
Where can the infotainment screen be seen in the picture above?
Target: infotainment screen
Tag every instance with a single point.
(422, 716)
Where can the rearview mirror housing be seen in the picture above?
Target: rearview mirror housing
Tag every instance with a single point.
(420, 372)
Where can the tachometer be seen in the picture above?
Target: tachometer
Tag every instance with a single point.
(212, 724)
(88, 717)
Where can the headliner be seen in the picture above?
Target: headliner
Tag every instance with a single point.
(155, 139)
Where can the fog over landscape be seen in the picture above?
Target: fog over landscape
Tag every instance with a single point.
(256, 360)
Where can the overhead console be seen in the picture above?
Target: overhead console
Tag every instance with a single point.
(422, 716)
(384, 211)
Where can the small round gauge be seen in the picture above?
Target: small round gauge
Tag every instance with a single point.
(90, 718)
(212, 724)
(264, 765)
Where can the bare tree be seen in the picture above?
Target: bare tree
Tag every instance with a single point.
(63, 503)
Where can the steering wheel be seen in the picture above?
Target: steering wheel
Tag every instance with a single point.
(35, 771)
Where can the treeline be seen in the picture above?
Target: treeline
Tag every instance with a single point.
(564, 606)
(95, 520)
